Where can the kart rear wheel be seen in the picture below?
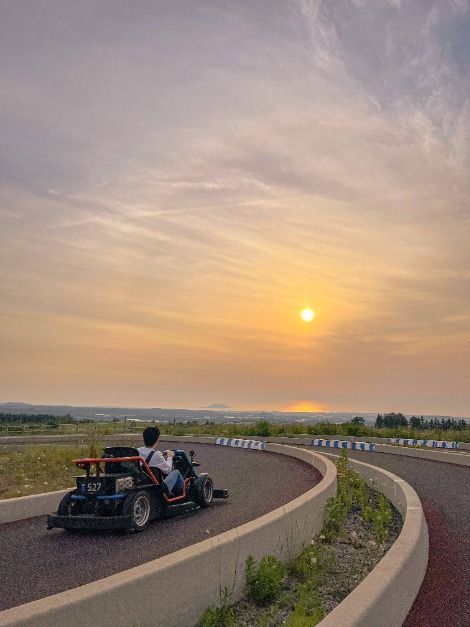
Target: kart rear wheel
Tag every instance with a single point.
(203, 490)
(68, 506)
(138, 506)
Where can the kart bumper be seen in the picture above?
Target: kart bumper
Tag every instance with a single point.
(220, 493)
(89, 523)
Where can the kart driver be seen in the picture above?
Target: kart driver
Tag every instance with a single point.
(155, 460)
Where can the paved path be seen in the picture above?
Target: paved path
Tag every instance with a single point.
(36, 563)
(444, 490)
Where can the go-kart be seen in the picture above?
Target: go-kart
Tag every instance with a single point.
(124, 493)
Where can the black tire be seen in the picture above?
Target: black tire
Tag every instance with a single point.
(203, 490)
(68, 507)
(139, 507)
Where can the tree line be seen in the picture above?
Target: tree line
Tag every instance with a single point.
(7, 418)
(394, 420)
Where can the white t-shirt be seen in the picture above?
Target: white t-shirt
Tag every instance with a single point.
(157, 460)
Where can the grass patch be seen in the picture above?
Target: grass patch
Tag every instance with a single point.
(36, 469)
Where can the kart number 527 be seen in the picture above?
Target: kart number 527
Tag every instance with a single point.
(93, 486)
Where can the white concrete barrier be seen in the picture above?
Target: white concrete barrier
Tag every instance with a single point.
(30, 506)
(146, 594)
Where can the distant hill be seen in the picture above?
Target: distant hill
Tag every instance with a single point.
(217, 406)
(15, 406)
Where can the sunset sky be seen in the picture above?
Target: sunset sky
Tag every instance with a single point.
(179, 180)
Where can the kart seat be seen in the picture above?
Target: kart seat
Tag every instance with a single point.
(132, 467)
(182, 463)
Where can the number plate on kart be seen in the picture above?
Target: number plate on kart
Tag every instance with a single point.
(93, 486)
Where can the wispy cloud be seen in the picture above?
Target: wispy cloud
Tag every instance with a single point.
(172, 193)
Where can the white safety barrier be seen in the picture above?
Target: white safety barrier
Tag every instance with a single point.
(429, 443)
(355, 446)
(254, 444)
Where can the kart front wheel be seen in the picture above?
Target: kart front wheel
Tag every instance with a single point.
(138, 506)
(203, 490)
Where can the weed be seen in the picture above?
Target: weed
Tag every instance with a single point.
(337, 512)
(308, 610)
(266, 617)
(381, 519)
(264, 579)
(222, 615)
(312, 562)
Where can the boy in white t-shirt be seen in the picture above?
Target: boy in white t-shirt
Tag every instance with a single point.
(155, 460)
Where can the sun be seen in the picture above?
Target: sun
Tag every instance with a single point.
(307, 314)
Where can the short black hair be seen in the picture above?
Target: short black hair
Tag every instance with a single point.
(151, 435)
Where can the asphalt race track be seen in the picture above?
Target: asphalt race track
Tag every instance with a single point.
(444, 490)
(36, 563)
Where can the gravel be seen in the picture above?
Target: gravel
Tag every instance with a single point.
(356, 554)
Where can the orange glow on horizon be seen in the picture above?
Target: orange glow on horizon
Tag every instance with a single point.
(305, 406)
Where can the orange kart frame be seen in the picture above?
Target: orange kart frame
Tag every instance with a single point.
(86, 462)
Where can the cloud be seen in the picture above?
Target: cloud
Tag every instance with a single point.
(175, 191)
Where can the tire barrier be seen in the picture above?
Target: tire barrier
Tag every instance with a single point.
(254, 444)
(355, 446)
(428, 443)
